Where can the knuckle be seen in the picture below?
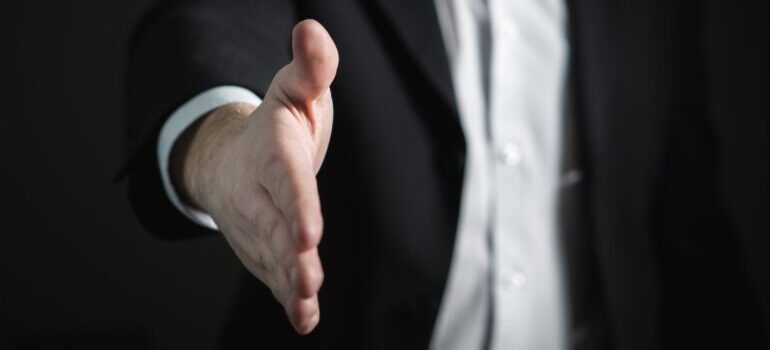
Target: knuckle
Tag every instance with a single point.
(310, 232)
(315, 278)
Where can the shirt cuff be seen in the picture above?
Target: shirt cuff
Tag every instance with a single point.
(178, 122)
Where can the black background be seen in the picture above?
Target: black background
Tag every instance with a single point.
(76, 267)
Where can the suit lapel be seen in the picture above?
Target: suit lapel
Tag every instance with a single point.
(415, 25)
(622, 76)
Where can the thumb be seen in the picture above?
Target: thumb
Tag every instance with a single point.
(314, 65)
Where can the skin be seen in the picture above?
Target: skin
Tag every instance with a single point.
(253, 170)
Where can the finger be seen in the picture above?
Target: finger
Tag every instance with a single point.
(273, 234)
(264, 267)
(290, 179)
(314, 64)
(307, 276)
(304, 314)
(261, 238)
(301, 271)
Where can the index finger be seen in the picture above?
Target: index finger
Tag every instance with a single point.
(289, 177)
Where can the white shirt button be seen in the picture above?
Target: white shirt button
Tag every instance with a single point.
(514, 280)
(507, 29)
(510, 154)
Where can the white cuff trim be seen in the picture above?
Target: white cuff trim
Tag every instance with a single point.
(179, 121)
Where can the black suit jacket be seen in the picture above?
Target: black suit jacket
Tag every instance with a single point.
(391, 182)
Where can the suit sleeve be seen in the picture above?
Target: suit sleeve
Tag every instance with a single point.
(181, 49)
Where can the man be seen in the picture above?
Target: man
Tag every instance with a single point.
(454, 145)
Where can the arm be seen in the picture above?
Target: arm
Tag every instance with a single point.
(180, 50)
(253, 170)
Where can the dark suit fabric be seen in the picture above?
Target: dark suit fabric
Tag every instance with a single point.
(391, 182)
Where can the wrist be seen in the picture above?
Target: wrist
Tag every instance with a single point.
(199, 155)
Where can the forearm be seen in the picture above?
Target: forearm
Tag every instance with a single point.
(183, 50)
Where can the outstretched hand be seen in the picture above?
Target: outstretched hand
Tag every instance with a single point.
(253, 170)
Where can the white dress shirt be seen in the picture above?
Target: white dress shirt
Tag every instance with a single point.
(508, 63)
